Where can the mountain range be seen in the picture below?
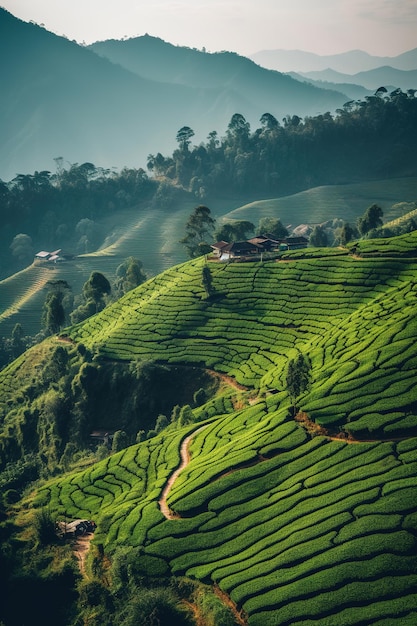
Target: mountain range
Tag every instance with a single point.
(60, 99)
(387, 76)
(350, 62)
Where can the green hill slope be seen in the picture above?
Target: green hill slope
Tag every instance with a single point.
(296, 523)
(352, 317)
(320, 204)
(153, 237)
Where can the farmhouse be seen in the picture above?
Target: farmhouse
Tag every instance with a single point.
(256, 246)
(53, 257)
(237, 249)
(218, 247)
(266, 242)
(293, 243)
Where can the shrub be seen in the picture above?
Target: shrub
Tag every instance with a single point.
(94, 593)
(44, 526)
(215, 612)
(154, 607)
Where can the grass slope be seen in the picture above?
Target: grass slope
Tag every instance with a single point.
(295, 529)
(153, 237)
(319, 204)
(22, 295)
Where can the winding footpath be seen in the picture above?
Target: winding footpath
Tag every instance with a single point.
(185, 459)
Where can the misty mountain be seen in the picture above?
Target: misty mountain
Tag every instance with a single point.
(389, 77)
(60, 99)
(352, 91)
(259, 89)
(350, 62)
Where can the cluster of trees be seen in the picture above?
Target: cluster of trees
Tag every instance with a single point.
(62, 308)
(97, 292)
(200, 230)
(63, 208)
(75, 393)
(365, 139)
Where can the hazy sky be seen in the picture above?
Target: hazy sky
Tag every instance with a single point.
(380, 27)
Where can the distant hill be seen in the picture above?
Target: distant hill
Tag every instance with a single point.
(61, 99)
(329, 79)
(22, 295)
(259, 90)
(389, 77)
(347, 62)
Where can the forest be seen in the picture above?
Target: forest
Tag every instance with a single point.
(370, 139)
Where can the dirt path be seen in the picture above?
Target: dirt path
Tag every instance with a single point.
(314, 429)
(185, 459)
(81, 547)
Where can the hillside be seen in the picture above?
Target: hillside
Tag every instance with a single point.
(258, 89)
(330, 81)
(60, 99)
(389, 77)
(301, 516)
(22, 295)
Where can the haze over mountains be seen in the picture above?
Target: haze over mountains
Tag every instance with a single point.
(350, 62)
(115, 102)
(62, 99)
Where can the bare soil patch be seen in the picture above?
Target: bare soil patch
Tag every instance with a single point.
(185, 459)
(81, 547)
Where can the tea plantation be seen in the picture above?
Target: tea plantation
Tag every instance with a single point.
(309, 522)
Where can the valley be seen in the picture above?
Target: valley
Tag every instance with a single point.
(153, 237)
(291, 524)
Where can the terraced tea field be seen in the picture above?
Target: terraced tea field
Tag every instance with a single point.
(22, 295)
(353, 318)
(295, 530)
(295, 527)
(320, 204)
(153, 236)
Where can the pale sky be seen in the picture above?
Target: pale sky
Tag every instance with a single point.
(380, 27)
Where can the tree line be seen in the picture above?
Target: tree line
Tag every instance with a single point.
(372, 138)
(62, 307)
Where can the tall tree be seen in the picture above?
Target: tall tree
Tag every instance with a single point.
(298, 376)
(199, 228)
(269, 122)
(94, 291)
(22, 247)
(238, 230)
(238, 130)
(18, 345)
(347, 233)
(372, 218)
(96, 287)
(184, 137)
(53, 313)
(129, 275)
(271, 226)
(207, 280)
(318, 237)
